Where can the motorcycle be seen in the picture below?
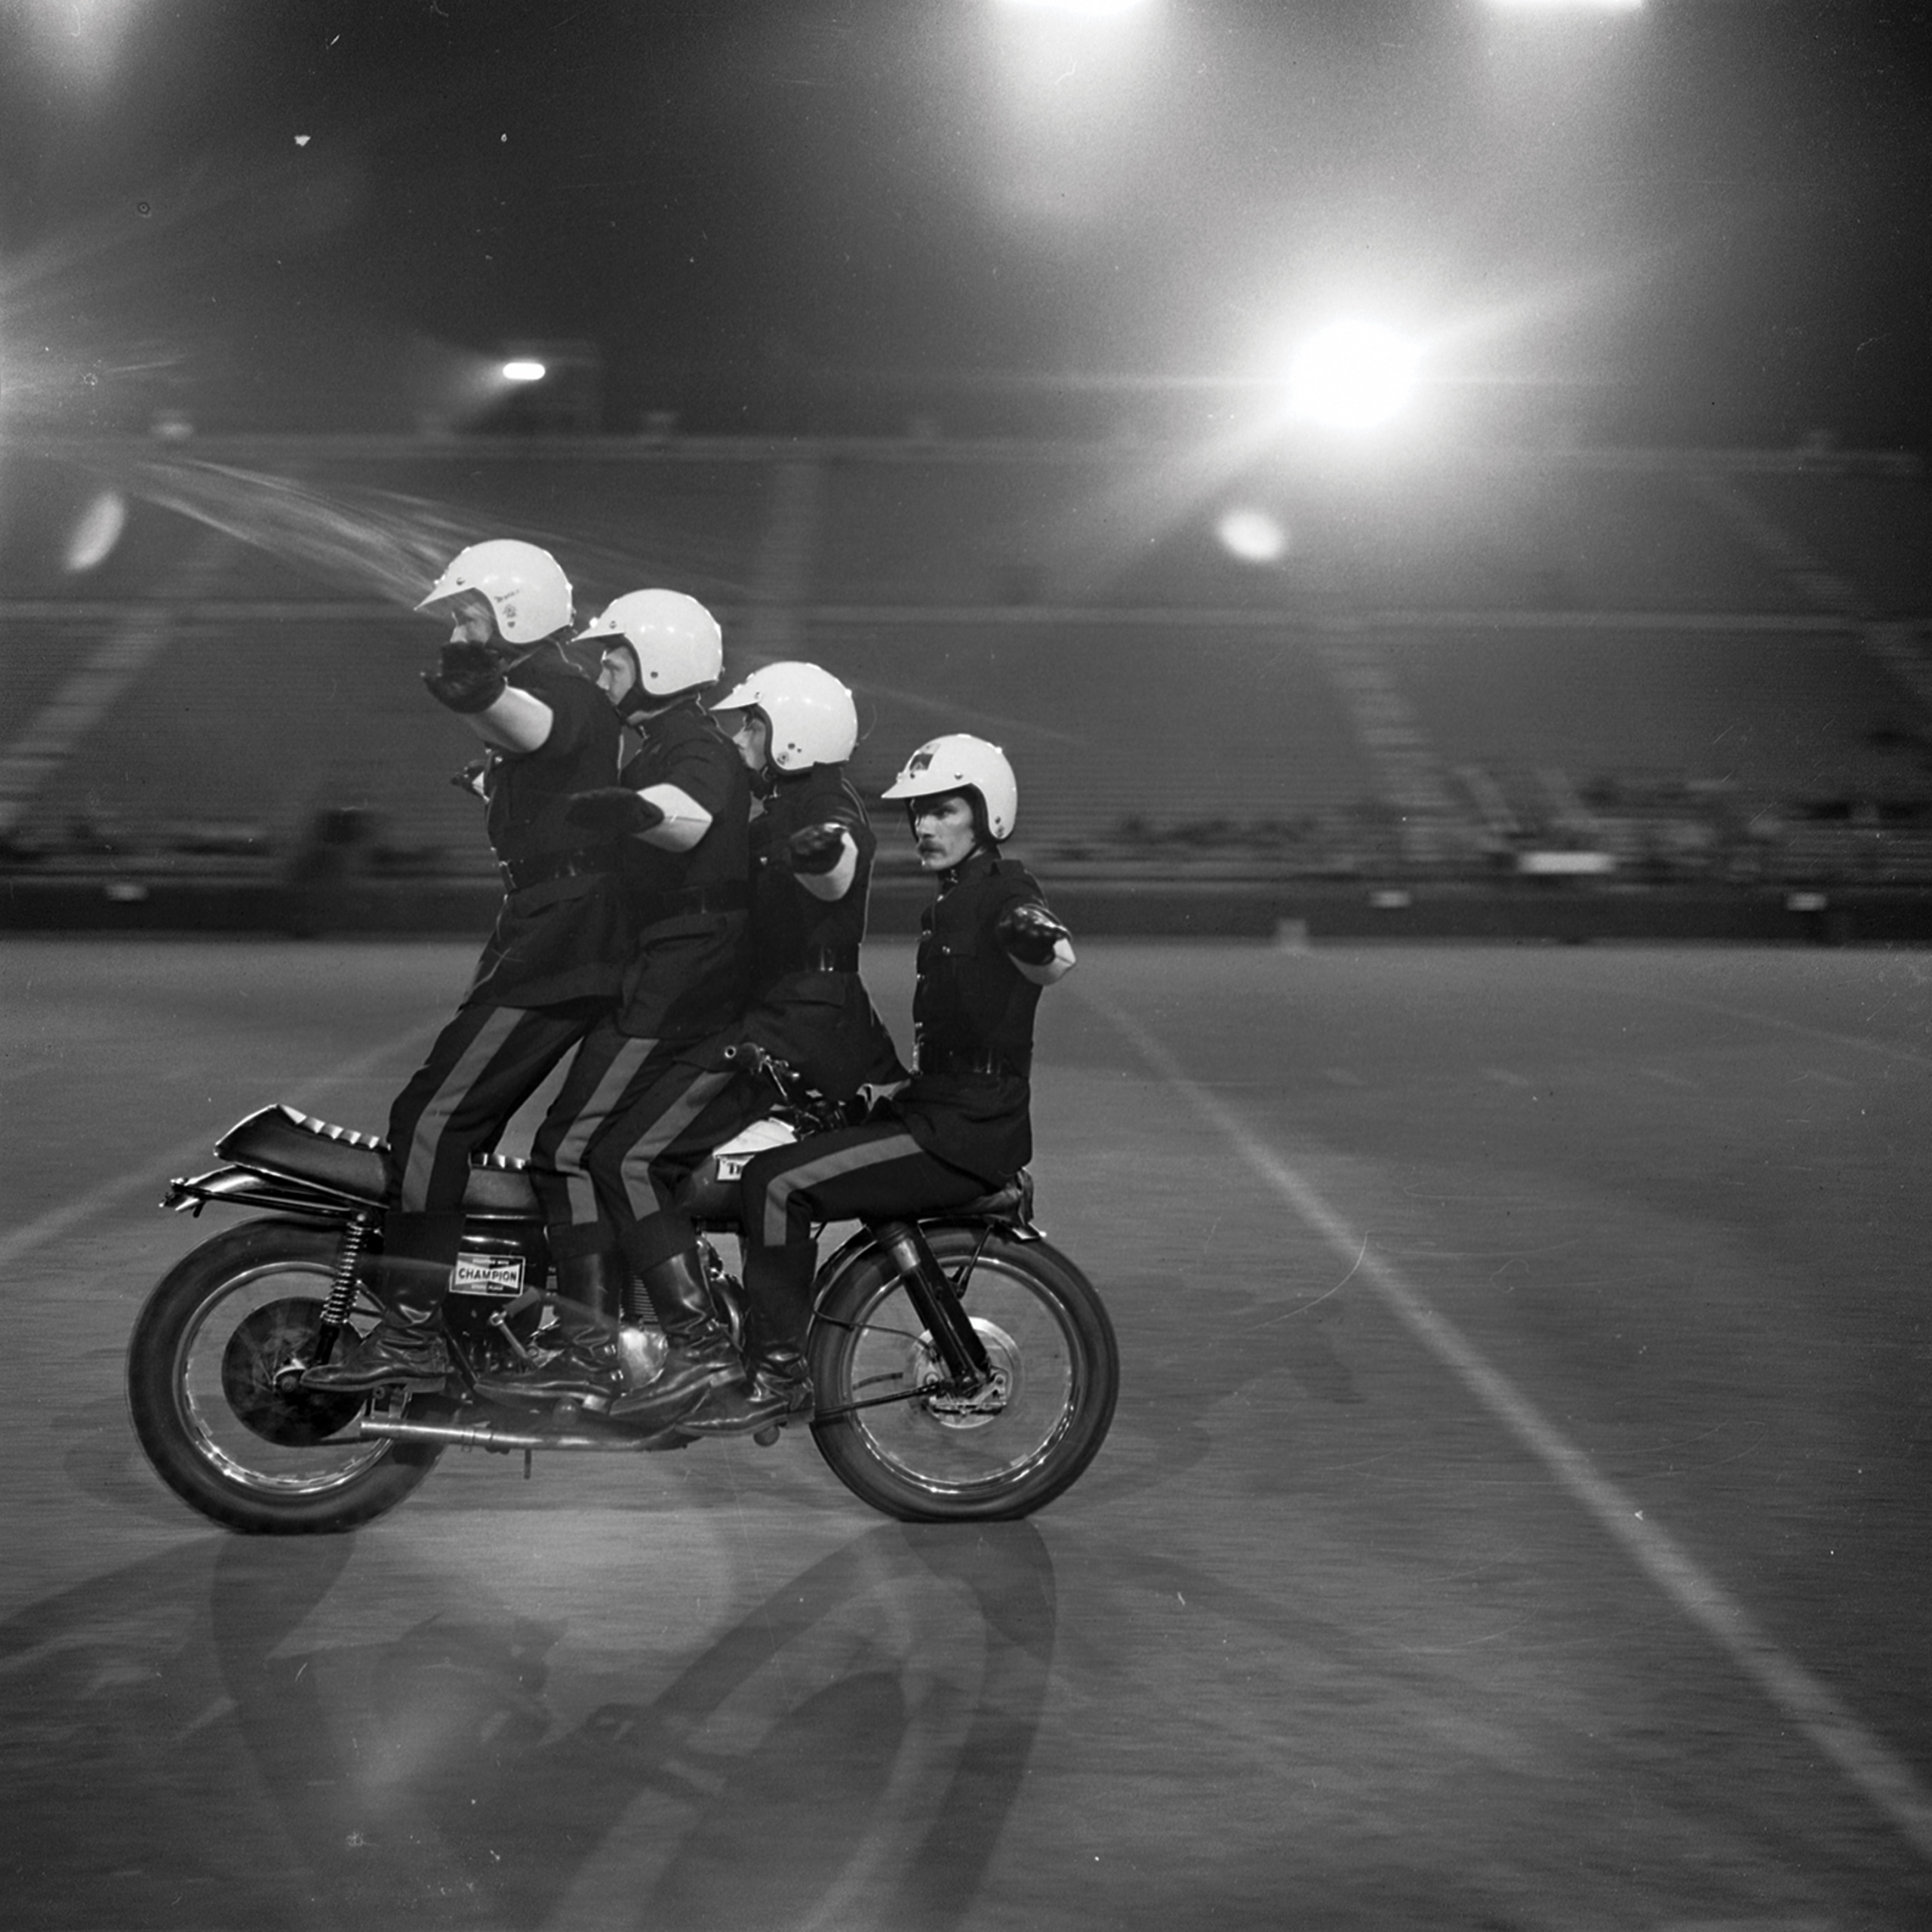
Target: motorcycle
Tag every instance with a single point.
(976, 1390)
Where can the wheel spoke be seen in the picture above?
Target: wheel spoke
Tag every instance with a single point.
(952, 1444)
(215, 1392)
(252, 1327)
(902, 1433)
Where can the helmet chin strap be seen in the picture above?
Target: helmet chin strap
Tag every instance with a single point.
(509, 656)
(635, 704)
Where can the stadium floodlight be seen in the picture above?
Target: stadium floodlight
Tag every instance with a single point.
(1095, 9)
(1352, 375)
(523, 369)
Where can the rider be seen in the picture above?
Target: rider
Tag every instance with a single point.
(680, 815)
(962, 1126)
(812, 849)
(554, 961)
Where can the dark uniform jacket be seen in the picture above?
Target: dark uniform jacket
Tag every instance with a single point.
(973, 1018)
(559, 934)
(809, 1006)
(690, 968)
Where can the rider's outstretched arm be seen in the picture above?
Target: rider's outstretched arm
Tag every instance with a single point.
(662, 815)
(825, 860)
(1040, 947)
(470, 680)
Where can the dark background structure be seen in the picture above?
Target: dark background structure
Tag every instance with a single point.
(1698, 222)
(948, 345)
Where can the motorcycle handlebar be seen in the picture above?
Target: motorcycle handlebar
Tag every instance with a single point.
(815, 1111)
(786, 1078)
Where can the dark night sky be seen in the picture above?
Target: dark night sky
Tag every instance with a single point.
(1706, 222)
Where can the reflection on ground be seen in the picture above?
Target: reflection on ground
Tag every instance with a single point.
(843, 1754)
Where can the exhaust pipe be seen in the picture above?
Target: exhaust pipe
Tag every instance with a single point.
(488, 1435)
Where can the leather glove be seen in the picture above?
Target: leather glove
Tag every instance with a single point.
(612, 808)
(1029, 932)
(816, 848)
(467, 678)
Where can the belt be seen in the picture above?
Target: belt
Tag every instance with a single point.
(729, 896)
(989, 1064)
(520, 875)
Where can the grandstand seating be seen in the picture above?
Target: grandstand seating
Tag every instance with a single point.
(1520, 632)
(1775, 715)
(1869, 530)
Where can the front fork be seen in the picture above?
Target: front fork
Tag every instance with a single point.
(937, 1300)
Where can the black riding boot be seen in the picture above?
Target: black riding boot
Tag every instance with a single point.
(778, 1299)
(698, 1351)
(408, 1282)
(576, 1354)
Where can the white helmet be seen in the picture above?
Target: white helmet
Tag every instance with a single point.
(813, 718)
(674, 639)
(960, 763)
(526, 588)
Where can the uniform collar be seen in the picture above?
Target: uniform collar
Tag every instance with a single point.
(981, 859)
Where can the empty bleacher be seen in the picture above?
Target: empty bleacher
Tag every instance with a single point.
(1787, 715)
(1869, 530)
(1109, 721)
(1519, 629)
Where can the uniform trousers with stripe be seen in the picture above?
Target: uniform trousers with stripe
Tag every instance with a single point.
(877, 1172)
(482, 1067)
(631, 1118)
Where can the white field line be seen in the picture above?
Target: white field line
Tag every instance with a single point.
(1877, 1771)
(1863, 1043)
(57, 1221)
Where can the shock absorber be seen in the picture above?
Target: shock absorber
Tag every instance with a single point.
(342, 1284)
(936, 1300)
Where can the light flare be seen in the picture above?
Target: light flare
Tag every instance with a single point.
(78, 40)
(1253, 535)
(383, 543)
(1087, 10)
(91, 541)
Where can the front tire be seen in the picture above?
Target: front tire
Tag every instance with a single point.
(929, 1458)
(210, 1376)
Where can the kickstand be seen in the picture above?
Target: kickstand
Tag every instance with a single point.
(526, 1465)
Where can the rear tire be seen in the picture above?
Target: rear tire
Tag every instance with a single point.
(933, 1458)
(248, 1450)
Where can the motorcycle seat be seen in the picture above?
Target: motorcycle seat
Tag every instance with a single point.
(280, 1140)
(1013, 1202)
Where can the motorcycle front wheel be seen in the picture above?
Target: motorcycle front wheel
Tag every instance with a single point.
(212, 1368)
(894, 1436)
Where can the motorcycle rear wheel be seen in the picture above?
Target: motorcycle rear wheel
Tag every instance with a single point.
(247, 1451)
(931, 1458)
